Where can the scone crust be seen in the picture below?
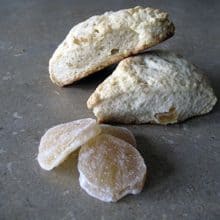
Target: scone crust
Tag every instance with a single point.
(158, 26)
(156, 87)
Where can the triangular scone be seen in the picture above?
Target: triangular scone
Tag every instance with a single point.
(158, 87)
(106, 39)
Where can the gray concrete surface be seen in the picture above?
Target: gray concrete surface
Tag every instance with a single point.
(183, 159)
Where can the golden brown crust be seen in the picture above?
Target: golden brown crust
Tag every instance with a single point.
(167, 117)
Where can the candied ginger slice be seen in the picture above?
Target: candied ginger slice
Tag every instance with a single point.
(61, 140)
(110, 168)
(119, 132)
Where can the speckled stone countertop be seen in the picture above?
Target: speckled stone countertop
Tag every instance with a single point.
(183, 159)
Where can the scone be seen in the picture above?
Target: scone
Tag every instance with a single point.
(157, 87)
(106, 39)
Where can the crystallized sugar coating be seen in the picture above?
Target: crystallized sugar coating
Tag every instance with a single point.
(119, 132)
(110, 168)
(105, 39)
(60, 141)
(158, 87)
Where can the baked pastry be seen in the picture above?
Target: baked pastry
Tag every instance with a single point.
(157, 87)
(106, 39)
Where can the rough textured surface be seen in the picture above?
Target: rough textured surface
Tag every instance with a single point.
(110, 168)
(105, 39)
(63, 139)
(183, 159)
(158, 87)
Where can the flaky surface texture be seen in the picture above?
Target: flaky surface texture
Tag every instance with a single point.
(105, 39)
(110, 168)
(61, 140)
(158, 87)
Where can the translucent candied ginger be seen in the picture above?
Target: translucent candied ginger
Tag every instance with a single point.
(60, 141)
(110, 168)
